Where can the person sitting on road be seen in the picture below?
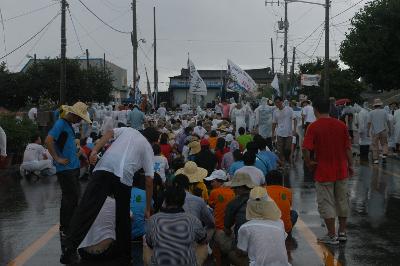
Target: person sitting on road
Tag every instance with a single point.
(283, 198)
(262, 238)
(249, 160)
(37, 161)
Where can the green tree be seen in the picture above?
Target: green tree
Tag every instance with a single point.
(371, 47)
(343, 83)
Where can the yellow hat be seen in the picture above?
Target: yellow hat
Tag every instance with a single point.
(241, 179)
(193, 172)
(79, 109)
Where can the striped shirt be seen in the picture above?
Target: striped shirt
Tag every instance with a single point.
(172, 234)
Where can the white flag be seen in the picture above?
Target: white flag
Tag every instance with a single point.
(239, 80)
(275, 85)
(310, 80)
(197, 85)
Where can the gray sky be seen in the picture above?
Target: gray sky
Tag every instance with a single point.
(210, 30)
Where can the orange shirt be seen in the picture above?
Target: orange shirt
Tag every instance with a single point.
(213, 142)
(283, 198)
(219, 199)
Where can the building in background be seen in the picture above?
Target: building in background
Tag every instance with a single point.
(119, 74)
(178, 90)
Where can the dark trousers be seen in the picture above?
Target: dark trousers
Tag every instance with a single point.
(101, 185)
(364, 151)
(70, 191)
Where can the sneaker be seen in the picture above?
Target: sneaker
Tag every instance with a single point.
(376, 162)
(342, 237)
(330, 240)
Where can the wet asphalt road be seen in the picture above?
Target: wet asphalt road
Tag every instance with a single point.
(29, 214)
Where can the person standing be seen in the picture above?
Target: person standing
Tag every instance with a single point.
(3, 144)
(264, 121)
(329, 139)
(60, 142)
(285, 123)
(378, 126)
(113, 174)
(364, 140)
(136, 118)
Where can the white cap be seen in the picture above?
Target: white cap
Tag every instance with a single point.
(217, 174)
(229, 138)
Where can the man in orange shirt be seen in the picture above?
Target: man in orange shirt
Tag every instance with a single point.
(283, 198)
(219, 198)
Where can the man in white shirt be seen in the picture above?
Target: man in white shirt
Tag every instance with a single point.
(264, 120)
(262, 238)
(36, 159)
(249, 160)
(162, 111)
(285, 123)
(378, 126)
(307, 114)
(113, 175)
(199, 130)
(32, 114)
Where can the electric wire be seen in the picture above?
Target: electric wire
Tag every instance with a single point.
(76, 33)
(30, 39)
(105, 23)
(30, 12)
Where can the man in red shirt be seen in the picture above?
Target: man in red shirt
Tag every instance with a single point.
(329, 139)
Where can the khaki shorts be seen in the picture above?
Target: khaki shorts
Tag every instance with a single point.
(333, 199)
(284, 145)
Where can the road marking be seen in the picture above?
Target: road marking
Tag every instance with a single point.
(34, 247)
(322, 251)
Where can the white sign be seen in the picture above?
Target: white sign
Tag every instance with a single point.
(197, 85)
(239, 80)
(310, 80)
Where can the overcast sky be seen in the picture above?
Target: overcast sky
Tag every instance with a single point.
(210, 30)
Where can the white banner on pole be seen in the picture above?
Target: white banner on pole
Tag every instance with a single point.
(239, 80)
(310, 80)
(275, 85)
(197, 85)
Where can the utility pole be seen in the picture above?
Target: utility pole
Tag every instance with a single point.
(285, 52)
(63, 67)
(104, 63)
(87, 59)
(326, 81)
(134, 43)
(292, 79)
(155, 62)
(272, 58)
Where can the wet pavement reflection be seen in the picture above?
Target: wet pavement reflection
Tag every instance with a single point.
(28, 209)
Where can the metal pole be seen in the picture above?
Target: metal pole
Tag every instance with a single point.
(87, 59)
(273, 59)
(326, 81)
(285, 57)
(292, 79)
(63, 67)
(104, 63)
(155, 62)
(134, 43)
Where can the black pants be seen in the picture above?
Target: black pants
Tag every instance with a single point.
(364, 152)
(70, 191)
(101, 185)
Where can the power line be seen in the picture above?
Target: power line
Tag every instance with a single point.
(320, 37)
(31, 12)
(76, 33)
(105, 23)
(31, 38)
(347, 9)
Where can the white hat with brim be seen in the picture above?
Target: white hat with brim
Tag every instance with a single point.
(217, 174)
(261, 207)
(240, 180)
(79, 109)
(193, 172)
(378, 102)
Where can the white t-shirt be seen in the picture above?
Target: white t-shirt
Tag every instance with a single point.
(256, 174)
(34, 152)
(283, 118)
(32, 114)
(308, 113)
(103, 227)
(128, 153)
(162, 111)
(123, 117)
(379, 120)
(199, 131)
(160, 166)
(264, 241)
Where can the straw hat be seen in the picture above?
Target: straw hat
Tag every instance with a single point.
(241, 179)
(194, 147)
(79, 109)
(193, 172)
(261, 207)
(377, 102)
